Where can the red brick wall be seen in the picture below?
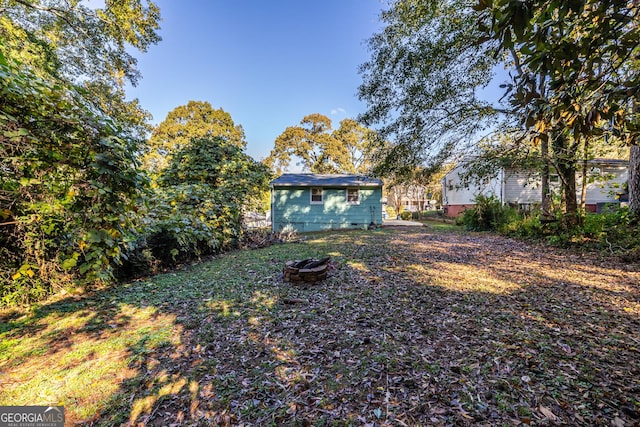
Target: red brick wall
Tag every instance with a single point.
(455, 210)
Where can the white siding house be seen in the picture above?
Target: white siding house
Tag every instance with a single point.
(522, 189)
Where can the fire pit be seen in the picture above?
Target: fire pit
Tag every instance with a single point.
(306, 271)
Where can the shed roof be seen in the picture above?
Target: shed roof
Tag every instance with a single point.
(325, 180)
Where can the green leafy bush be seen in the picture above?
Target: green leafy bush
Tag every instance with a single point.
(488, 214)
(68, 186)
(406, 215)
(197, 208)
(614, 231)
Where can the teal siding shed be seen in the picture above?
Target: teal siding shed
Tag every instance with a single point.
(315, 202)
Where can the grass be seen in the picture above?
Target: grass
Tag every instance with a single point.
(414, 326)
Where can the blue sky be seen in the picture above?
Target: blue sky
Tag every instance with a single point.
(267, 63)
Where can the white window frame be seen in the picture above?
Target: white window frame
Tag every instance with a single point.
(316, 202)
(346, 195)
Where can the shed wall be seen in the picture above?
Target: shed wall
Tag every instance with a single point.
(292, 209)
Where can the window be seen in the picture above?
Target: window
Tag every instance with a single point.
(316, 196)
(450, 185)
(353, 196)
(554, 178)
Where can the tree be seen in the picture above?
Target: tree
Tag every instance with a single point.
(69, 179)
(219, 164)
(634, 180)
(77, 42)
(421, 83)
(320, 149)
(573, 68)
(197, 119)
(88, 47)
(419, 186)
(585, 54)
(359, 142)
(197, 207)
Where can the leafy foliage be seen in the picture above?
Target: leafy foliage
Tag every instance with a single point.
(196, 208)
(614, 232)
(421, 82)
(576, 74)
(321, 149)
(68, 185)
(197, 119)
(78, 42)
(573, 68)
(69, 178)
(488, 214)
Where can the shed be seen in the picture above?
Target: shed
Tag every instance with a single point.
(313, 202)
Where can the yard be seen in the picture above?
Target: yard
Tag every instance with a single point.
(419, 326)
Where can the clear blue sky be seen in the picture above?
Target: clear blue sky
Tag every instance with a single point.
(267, 63)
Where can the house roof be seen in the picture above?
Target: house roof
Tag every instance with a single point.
(322, 180)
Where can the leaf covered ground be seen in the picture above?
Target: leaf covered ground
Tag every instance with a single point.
(413, 327)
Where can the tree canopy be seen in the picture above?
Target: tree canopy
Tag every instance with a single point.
(69, 178)
(197, 119)
(197, 206)
(576, 75)
(421, 83)
(321, 149)
(78, 42)
(572, 66)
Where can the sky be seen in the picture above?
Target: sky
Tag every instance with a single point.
(267, 63)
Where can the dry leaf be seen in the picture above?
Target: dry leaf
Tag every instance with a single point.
(547, 413)
(617, 422)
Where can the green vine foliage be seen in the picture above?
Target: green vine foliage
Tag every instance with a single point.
(197, 207)
(68, 186)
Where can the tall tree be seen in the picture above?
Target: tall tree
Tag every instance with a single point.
(320, 149)
(198, 204)
(359, 142)
(74, 40)
(197, 119)
(586, 52)
(421, 83)
(91, 48)
(68, 140)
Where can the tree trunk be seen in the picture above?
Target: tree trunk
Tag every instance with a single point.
(583, 193)
(544, 147)
(565, 159)
(634, 180)
(546, 192)
(569, 190)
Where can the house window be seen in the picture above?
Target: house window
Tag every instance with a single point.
(353, 196)
(316, 196)
(450, 185)
(554, 179)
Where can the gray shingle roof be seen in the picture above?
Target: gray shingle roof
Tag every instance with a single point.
(320, 180)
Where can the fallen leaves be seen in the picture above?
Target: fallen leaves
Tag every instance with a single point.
(413, 327)
(547, 413)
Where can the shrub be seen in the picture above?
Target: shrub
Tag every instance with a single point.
(406, 215)
(69, 181)
(197, 208)
(391, 212)
(488, 214)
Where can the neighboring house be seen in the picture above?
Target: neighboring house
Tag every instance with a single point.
(522, 190)
(313, 202)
